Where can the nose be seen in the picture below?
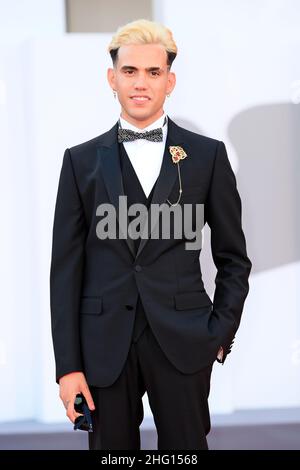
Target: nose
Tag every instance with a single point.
(140, 82)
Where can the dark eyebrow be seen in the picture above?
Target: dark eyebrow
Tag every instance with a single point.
(131, 67)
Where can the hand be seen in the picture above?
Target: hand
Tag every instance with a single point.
(69, 386)
(220, 354)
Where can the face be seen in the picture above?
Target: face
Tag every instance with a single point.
(142, 80)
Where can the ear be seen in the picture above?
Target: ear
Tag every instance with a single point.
(171, 82)
(111, 77)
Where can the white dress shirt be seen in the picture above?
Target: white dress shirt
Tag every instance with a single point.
(146, 156)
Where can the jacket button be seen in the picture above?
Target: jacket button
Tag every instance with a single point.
(129, 307)
(138, 268)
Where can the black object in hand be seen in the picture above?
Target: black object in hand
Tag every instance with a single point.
(84, 423)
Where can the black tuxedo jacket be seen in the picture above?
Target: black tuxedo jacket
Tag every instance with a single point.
(94, 283)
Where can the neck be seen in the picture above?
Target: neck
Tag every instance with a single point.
(142, 123)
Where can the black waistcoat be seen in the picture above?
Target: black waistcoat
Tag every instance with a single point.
(135, 194)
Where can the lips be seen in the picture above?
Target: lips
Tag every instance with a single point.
(140, 98)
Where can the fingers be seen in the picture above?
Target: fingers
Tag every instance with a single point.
(87, 395)
(71, 413)
(68, 395)
(69, 406)
(66, 403)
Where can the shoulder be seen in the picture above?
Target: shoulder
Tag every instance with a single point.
(88, 145)
(195, 139)
(87, 151)
(203, 148)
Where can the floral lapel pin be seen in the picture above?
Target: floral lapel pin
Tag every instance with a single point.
(178, 154)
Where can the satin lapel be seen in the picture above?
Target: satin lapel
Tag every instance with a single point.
(166, 180)
(108, 153)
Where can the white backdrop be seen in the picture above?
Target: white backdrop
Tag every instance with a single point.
(21, 359)
(237, 81)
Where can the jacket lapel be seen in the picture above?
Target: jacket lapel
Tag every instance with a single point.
(108, 153)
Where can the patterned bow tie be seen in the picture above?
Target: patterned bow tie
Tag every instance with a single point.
(127, 135)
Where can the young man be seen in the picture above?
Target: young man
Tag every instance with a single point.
(130, 314)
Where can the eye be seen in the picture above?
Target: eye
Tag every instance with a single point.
(154, 72)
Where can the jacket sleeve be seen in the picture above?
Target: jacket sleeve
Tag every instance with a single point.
(223, 214)
(67, 262)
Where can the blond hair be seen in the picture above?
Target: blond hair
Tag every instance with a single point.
(143, 32)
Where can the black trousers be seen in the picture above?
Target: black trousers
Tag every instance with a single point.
(178, 402)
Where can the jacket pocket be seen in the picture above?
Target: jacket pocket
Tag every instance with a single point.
(91, 305)
(193, 299)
